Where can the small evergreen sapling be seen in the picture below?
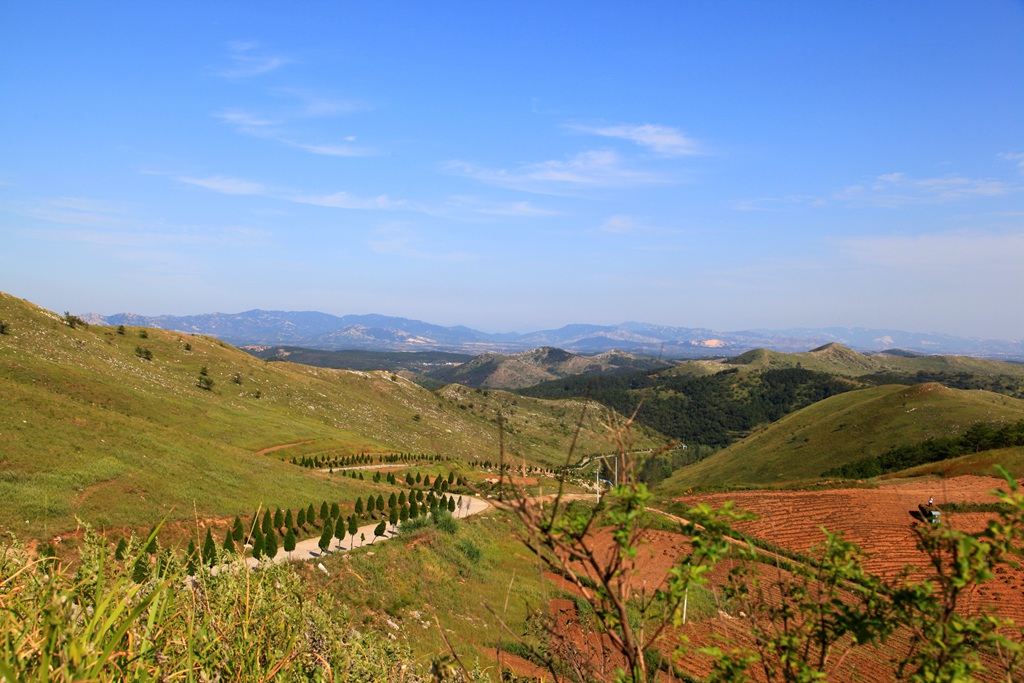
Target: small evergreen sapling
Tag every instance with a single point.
(270, 545)
(229, 542)
(353, 527)
(325, 537)
(289, 541)
(339, 531)
(379, 531)
(209, 549)
(258, 542)
(191, 561)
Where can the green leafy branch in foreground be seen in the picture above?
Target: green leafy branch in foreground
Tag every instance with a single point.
(97, 623)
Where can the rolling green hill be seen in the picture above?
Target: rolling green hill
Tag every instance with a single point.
(114, 428)
(845, 428)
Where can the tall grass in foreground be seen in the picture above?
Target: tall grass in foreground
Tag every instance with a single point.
(145, 618)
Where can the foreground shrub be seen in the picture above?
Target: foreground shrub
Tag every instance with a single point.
(98, 623)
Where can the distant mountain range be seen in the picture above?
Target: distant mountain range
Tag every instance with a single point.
(378, 332)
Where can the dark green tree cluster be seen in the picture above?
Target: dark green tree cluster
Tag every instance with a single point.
(143, 353)
(204, 381)
(714, 410)
(981, 436)
(74, 321)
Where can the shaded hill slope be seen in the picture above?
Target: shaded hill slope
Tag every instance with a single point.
(843, 429)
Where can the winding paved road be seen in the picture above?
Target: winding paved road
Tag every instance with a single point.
(309, 549)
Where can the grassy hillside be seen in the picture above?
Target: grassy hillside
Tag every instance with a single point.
(91, 428)
(845, 428)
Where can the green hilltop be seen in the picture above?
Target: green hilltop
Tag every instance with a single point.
(113, 426)
(843, 429)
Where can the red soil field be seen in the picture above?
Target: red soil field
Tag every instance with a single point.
(878, 520)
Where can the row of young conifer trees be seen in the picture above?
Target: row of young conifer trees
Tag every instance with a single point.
(270, 531)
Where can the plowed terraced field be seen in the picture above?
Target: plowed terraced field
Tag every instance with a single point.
(879, 521)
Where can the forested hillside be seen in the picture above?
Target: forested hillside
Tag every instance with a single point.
(712, 410)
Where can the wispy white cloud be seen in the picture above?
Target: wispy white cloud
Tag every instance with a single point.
(75, 211)
(246, 62)
(228, 185)
(621, 224)
(460, 205)
(247, 122)
(899, 189)
(663, 140)
(638, 235)
(345, 200)
(1016, 158)
(894, 190)
(592, 169)
(279, 126)
(116, 228)
(309, 104)
(523, 209)
(766, 203)
(336, 200)
(334, 150)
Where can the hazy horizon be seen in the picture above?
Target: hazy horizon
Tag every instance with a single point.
(731, 166)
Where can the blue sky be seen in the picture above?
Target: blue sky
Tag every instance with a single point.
(519, 166)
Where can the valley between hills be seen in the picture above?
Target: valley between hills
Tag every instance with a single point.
(135, 458)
